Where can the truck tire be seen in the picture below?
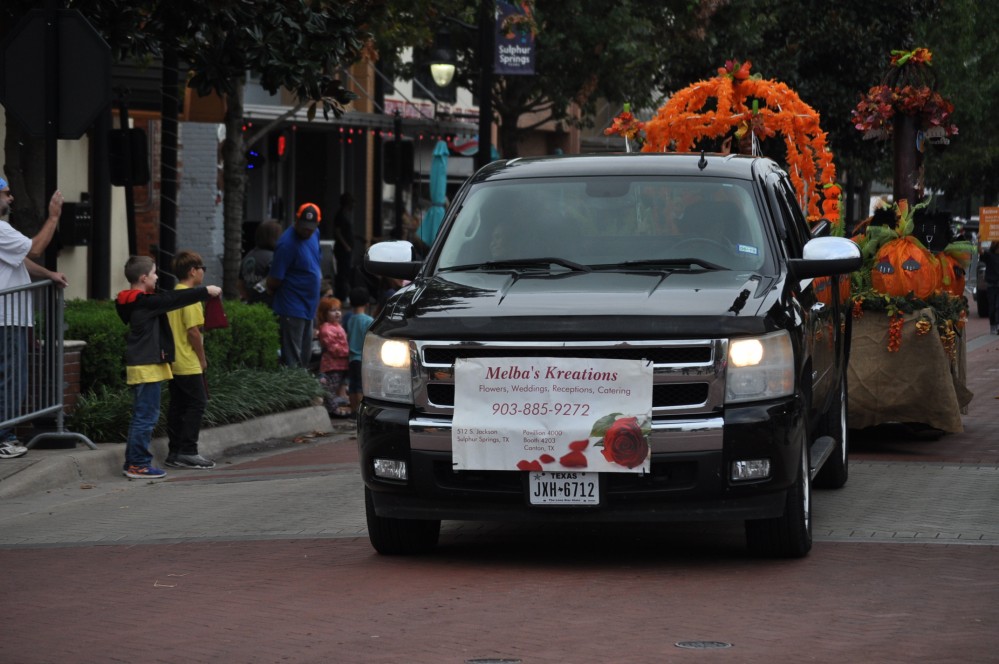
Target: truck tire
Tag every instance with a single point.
(394, 537)
(836, 470)
(789, 535)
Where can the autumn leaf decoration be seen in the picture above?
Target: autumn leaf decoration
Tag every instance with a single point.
(627, 126)
(907, 89)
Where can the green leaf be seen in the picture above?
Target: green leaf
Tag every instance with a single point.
(600, 426)
(877, 237)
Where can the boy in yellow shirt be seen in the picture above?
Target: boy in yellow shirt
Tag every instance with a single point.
(188, 396)
(149, 350)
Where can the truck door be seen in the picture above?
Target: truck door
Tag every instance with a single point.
(818, 304)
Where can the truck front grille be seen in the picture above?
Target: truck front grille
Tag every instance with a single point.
(688, 376)
(434, 355)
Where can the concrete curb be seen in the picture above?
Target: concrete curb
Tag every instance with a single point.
(45, 470)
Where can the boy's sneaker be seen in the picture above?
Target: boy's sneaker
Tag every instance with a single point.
(10, 449)
(171, 461)
(193, 461)
(143, 473)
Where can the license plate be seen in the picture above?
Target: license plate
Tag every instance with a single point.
(564, 488)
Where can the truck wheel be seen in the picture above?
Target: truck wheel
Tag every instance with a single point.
(392, 537)
(836, 469)
(790, 535)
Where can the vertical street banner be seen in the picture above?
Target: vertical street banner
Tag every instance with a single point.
(552, 414)
(515, 32)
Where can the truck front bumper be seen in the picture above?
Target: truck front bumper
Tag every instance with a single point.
(689, 478)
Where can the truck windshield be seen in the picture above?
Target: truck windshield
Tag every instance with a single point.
(609, 223)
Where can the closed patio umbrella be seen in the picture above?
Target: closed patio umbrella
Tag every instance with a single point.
(431, 223)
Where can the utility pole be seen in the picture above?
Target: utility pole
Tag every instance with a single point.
(487, 58)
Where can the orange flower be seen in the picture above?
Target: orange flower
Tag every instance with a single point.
(734, 70)
(683, 120)
(626, 125)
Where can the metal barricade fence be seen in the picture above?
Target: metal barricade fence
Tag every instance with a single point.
(31, 359)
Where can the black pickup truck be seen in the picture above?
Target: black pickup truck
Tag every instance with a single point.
(631, 337)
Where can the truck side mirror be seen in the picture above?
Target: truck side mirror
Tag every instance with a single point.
(826, 256)
(392, 259)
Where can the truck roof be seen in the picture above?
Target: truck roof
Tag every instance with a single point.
(630, 164)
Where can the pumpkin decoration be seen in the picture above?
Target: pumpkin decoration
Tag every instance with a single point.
(822, 287)
(825, 290)
(954, 262)
(905, 266)
(952, 274)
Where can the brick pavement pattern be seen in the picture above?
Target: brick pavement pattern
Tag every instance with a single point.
(584, 600)
(267, 560)
(897, 575)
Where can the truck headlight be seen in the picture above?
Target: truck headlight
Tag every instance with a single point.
(760, 368)
(385, 369)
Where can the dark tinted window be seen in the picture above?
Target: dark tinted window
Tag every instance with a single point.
(606, 221)
(794, 219)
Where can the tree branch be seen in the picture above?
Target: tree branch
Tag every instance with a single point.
(257, 136)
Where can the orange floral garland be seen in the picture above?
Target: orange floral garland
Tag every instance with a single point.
(682, 120)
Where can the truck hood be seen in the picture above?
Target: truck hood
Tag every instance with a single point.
(600, 304)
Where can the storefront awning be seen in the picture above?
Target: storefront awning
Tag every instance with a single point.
(377, 121)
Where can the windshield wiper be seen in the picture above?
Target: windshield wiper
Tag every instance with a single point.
(515, 263)
(662, 263)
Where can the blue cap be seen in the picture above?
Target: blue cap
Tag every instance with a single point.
(3, 184)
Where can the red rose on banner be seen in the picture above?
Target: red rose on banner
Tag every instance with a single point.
(625, 443)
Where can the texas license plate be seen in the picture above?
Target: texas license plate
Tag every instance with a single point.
(564, 488)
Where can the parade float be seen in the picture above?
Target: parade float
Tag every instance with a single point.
(907, 361)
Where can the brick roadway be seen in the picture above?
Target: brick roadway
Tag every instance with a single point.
(266, 560)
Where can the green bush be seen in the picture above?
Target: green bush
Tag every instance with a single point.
(102, 362)
(103, 414)
(250, 341)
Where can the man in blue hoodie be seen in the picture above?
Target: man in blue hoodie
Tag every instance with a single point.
(295, 279)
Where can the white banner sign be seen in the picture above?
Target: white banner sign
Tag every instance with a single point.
(552, 414)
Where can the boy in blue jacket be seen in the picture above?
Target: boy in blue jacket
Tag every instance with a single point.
(149, 350)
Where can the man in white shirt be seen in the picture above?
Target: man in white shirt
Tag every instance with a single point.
(17, 267)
